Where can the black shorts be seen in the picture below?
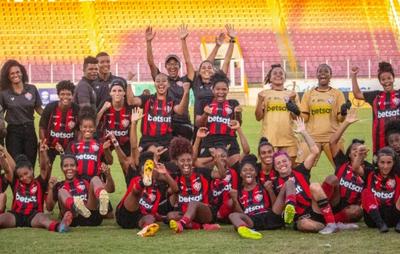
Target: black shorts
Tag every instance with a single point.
(215, 219)
(389, 214)
(340, 206)
(95, 219)
(310, 214)
(165, 207)
(126, 219)
(267, 221)
(22, 220)
(182, 129)
(218, 140)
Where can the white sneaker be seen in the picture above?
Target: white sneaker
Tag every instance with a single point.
(347, 226)
(329, 229)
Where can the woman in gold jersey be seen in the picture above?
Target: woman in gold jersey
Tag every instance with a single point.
(276, 108)
(323, 108)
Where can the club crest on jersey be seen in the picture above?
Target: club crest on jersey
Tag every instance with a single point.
(330, 100)
(169, 108)
(81, 187)
(125, 123)
(228, 178)
(179, 83)
(228, 109)
(34, 189)
(258, 197)
(197, 186)
(28, 96)
(152, 197)
(71, 124)
(95, 147)
(12, 98)
(391, 183)
(396, 101)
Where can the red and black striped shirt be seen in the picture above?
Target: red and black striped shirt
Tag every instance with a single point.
(117, 122)
(60, 126)
(149, 199)
(220, 188)
(77, 187)
(254, 201)
(271, 176)
(385, 108)
(192, 188)
(221, 115)
(301, 177)
(386, 190)
(157, 116)
(89, 155)
(28, 198)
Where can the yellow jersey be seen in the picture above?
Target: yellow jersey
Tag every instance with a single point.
(323, 110)
(277, 122)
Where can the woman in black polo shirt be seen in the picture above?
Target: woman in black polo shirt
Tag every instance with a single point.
(19, 101)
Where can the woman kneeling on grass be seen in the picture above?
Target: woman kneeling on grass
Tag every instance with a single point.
(344, 188)
(381, 196)
(253, 205)
(27, 205)
(139, 206)
(86, 200)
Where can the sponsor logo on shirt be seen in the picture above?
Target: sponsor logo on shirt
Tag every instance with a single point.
(63, 135)
(28, 96)
(86, 156)
(25, 199)
(382, 194)
(159, 119)
(254, 208)
(218, 119)
(350, 185)
(197, 198)
(388, 113)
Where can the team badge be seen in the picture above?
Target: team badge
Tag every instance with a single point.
(330, 100)
(71, 124)
(125, 123)
(80, 187)
(95, 147)
(197, 186)
(396, 101)
(12, 98)
(228, 110)
(152, 197)
(228, 178)
(258, 197)
(34, 189)
(28, 96)
(179, 83)
(391, 183)
(169, 108)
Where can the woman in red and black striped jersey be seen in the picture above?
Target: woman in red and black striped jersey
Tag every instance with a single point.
(28, 194)
(265, 155)
(192, 200)
(385, 104)
(88, 201)
(313, 211)
(89, 152)
(381, 196)
(157, 110)
(252, 203)
(59, 121)
(114, 116)
(219, 116)
(343, 189)
(140, 204)
(392, 135)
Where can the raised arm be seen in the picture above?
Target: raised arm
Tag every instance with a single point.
(137, 114)
(235, 125)
(354, 84)
(110, 185)
(314, 150)
(149, 49)
(358, 162)
(101, 112)
(50, 203)
(351, 118)
(163, 175)
(228, 56)
(108, 158)
(183, 34)
(45, 165)
(183, 105)
(201, 120)
(202, 132)
(7, 163)
(219, 40)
